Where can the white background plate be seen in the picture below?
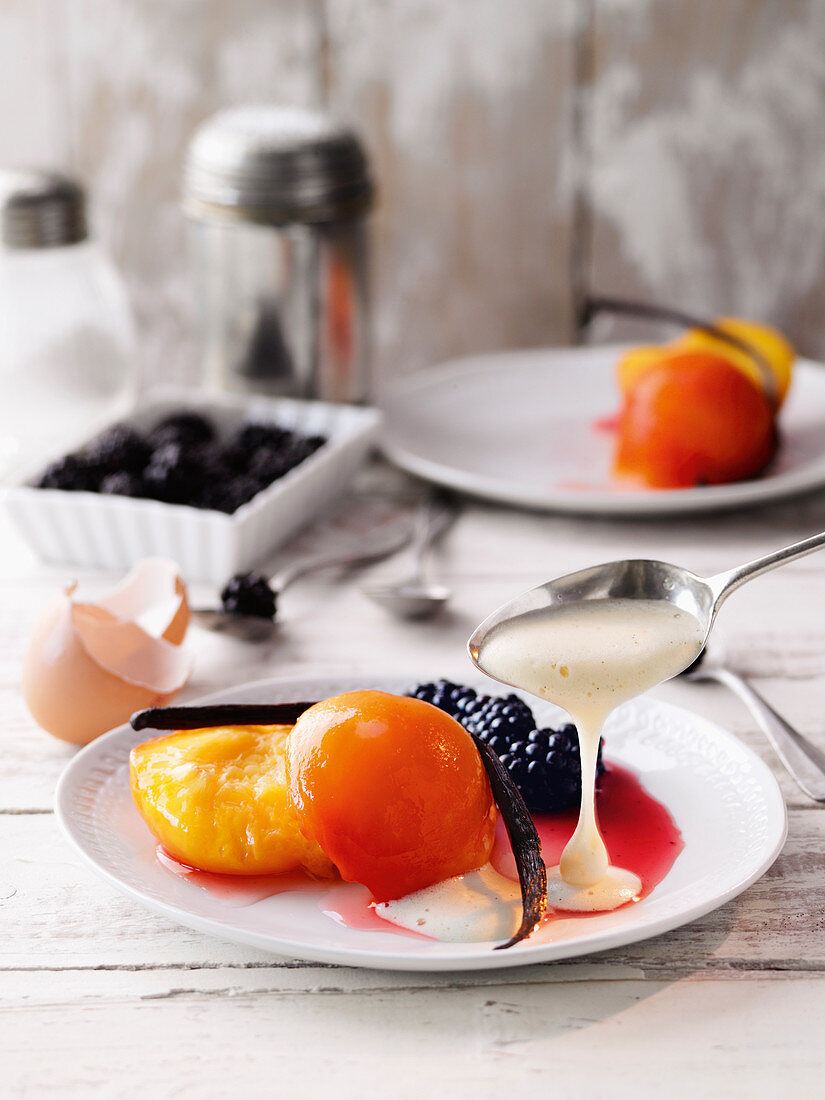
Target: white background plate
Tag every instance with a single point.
(723, 798)
(518, 427)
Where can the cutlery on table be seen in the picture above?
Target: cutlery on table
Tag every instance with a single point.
(416, 597)
(804, 762)
(702, 597)
(376, 544)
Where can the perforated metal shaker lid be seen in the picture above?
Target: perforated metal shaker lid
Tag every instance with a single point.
(276, 165)
(40, 209)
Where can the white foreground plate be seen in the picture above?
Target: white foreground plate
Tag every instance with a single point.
(520, 427)
(723, 798)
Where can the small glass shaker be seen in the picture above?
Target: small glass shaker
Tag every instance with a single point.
(66, 331)
(278, 198)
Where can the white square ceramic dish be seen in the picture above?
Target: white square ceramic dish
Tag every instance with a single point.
(113, 532)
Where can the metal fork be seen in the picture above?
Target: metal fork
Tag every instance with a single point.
(804, 762)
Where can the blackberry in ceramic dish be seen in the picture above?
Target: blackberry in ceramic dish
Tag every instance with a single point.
(71, 473)
(251, 437)
(123, 484)
(175, 474)
(118, 448)
(187, 428)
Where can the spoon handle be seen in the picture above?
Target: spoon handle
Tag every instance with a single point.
(435, 515)
(722, 584)
(803, 760)
(377, 544)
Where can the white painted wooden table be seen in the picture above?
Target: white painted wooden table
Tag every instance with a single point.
(100, 998)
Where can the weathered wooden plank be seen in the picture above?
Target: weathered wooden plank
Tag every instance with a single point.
(142, 75)
(33, 116)
(706, 158)
(466, 108)
(617, 1039)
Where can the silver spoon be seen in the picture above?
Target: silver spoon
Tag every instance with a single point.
(416, 597)
(376, 544)
(642, 579)
(803, 760)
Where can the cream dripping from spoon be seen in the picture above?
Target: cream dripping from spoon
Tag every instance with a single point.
(588, 657)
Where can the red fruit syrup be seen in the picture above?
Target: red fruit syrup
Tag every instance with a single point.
(638, 831)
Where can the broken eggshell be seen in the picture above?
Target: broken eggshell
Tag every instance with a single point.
(88, 666)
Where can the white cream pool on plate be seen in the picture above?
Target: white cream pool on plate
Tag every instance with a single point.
(588, 657)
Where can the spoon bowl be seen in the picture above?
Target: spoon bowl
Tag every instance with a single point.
(410, 600)
(415, 597)
(634, 579)
(641, 579)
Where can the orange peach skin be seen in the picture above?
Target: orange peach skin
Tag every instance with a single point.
(695, 419)
(392, 789)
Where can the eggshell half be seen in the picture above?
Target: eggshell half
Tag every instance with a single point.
(88, 666)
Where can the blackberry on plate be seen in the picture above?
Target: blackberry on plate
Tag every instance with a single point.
(505, 718)
(545, 764)
(118, 448)
(72, 473)
(546, 768)
(186, 428)
(249, 594)
(123, 484)
(445, 695)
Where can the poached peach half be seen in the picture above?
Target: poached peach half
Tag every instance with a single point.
(392, 789)
(218, 799)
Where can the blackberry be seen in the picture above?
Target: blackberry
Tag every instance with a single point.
(545, 764)
(176, 474)
(186, 428)
(499, 718)
(118, 448)
(228, 494)
(251, 437)
(124, 484)
(242, 489)
(267, 466)
(73, 473)
(546, 768)
(249, 594)
(447, 696)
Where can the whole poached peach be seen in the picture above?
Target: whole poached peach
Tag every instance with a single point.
(392, 789)
(694, 418)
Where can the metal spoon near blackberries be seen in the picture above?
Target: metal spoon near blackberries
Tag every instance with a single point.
(249, 601)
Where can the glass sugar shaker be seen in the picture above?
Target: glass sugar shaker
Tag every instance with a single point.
(66, 331)
(278, 198)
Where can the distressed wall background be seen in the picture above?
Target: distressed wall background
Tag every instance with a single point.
(526, 151)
